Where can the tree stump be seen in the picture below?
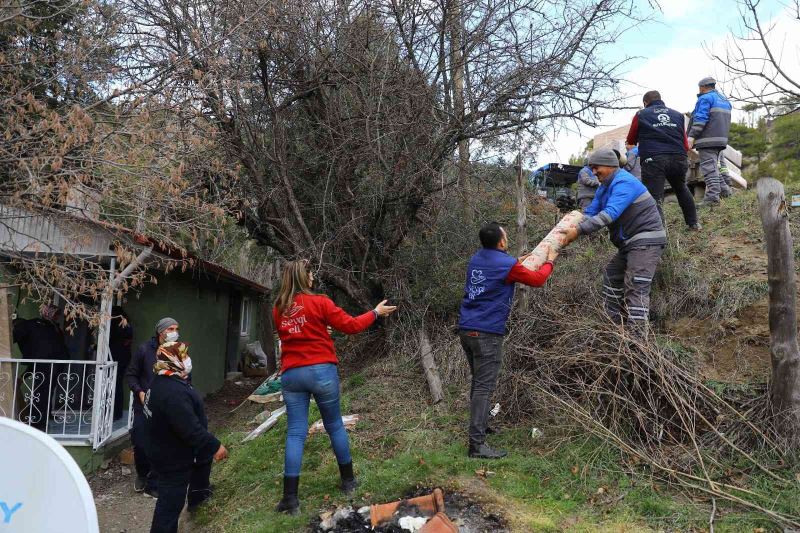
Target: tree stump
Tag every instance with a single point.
(785, 355)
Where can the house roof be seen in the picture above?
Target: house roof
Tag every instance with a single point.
(24, 231)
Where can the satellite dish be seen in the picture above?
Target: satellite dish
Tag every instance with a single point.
(42, 489)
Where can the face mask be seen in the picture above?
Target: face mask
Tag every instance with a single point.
(171, 336)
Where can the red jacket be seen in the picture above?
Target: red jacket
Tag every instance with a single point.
(303, 330)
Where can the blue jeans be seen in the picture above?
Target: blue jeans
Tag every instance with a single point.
(298, 384)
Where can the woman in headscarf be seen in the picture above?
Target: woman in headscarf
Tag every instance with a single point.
(308, 367)
(180, 446)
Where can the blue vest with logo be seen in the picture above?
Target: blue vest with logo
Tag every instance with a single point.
(660, 130)
(487, 297)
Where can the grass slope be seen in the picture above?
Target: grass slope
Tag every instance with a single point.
(561, 481)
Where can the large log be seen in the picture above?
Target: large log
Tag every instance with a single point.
(785, 355)
(554, 239)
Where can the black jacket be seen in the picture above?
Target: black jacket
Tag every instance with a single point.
(176, 424)
(140, 371)
(38, 338)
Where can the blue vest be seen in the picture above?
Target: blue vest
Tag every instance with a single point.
(660, 131)
(487, 297)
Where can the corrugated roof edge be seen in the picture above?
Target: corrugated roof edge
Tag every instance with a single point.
(179, 254)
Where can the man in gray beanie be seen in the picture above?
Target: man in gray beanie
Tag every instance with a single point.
(626, 208)
(139, 377)
(708, 133)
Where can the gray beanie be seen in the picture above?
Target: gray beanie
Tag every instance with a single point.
(604, 157)
(164, 323)
(708, 80)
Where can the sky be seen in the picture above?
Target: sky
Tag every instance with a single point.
(669, 57)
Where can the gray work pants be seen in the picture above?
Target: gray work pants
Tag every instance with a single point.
(726, 185)
(484, 355)
(709, 166)
(626, 285)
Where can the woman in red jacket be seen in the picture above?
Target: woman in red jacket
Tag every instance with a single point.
(308, 367)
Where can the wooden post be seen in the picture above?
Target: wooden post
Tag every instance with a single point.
(785, 355)
(429, 366)
(7, 373)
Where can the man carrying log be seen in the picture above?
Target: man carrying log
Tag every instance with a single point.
(488, 295)
(625, 206)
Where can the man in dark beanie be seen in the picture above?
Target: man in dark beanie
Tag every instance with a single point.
(139, 377)
(708, 133)
(626, 208)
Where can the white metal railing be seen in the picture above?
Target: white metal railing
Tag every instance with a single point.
(69, 400)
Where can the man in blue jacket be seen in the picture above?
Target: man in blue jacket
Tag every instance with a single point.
(626, 208)
(663, 147)
(708, 133)
(488, 296)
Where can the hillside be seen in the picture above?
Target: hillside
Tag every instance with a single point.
(710, 303)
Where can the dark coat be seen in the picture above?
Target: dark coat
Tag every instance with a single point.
(38, 338)
(140, 371)
(176, 425)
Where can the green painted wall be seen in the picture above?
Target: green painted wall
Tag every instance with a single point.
(201, 308)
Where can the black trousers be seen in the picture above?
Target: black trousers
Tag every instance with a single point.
(140, 458)
(672, 168)
(172, 495)
(484, 353)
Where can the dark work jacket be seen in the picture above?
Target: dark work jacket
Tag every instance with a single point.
(659, 130)
(38, 338)
(176, 424)
(487, 296)
(140, 371)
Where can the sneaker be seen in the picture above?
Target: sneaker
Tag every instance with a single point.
(695, 227)
(139, 484)
(484, 451)
(153, 493)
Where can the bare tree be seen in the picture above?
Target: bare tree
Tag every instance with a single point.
(758, 61)
(75, 144)
(340, 118)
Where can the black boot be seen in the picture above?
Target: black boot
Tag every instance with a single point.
(289, 504)
(349, 481)
(484, 451)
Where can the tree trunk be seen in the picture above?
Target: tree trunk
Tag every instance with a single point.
(522, 223)
(785, 355)
(267, 336)
(457, 77)
(429, 366)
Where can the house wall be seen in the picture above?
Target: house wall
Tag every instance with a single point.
(200, 307)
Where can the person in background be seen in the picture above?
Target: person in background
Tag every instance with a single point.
(587, 186)
(708, 133)
(40, 338)
(119, 344)
(663, 147)
(626, 208)
(309, 368)
(488, 296)
(634, 164)
(139, 377)
(180, 446)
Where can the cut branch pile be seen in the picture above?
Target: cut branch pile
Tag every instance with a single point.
(650, 402)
